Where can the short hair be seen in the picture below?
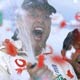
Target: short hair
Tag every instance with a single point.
(72, 38)
(67, 41)
(76, 36)
(41, 4)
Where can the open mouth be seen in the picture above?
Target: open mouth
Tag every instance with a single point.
(38, 33)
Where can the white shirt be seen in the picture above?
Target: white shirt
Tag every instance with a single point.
(9, 67)
(63, 69)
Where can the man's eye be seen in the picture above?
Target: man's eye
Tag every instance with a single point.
(34, 15)
(46, 17)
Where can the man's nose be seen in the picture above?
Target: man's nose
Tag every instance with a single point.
(40, 19)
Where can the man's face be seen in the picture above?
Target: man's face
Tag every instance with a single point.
(37, 24)
(76, 55)
(76, 63)
(77, 45)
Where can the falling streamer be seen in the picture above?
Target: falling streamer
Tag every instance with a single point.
(26, 40)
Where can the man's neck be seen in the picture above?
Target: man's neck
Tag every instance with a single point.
(38, 52)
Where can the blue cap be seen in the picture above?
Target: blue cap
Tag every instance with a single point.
(42, 4)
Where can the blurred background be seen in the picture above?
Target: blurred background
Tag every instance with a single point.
(63, 21)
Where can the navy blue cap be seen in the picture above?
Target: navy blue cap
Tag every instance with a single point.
(43, 4)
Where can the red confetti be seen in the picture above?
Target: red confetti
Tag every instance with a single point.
(77, 16)
(40, 61)
(70, 74)
(19, 70)
(58, 59)
(21, 60)
(10, 48)
(63, 24)
(65, 58)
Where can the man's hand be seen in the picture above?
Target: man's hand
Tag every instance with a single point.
(41, 73)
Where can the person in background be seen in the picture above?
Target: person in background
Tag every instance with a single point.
(71, 49)
(34, 60)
